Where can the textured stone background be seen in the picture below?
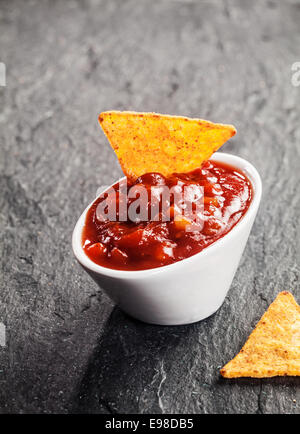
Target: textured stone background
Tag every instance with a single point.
(68, 348)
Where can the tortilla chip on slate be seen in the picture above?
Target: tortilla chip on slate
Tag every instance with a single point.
(273, 348)
(151, 142)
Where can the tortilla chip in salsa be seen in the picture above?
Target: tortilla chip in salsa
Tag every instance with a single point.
(151, 142)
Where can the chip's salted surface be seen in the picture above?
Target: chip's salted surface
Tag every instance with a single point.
(151, 142)
(273, 348)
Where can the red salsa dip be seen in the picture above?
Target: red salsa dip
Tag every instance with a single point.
(142, 245)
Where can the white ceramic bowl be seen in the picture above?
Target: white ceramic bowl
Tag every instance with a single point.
(186, 291)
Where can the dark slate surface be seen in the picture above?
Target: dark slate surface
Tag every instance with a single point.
(68, 348)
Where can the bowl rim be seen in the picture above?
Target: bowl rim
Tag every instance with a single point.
(240, 163)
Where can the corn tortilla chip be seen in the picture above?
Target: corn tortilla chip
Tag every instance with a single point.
(151, 142)
(273, 348)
